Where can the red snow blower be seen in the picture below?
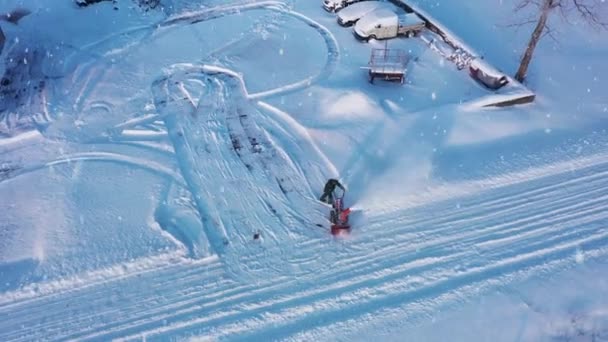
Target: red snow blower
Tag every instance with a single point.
(338, 216)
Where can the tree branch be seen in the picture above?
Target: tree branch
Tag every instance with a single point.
(550, 32)
(588, 10)
(525, 3)
(522, 23)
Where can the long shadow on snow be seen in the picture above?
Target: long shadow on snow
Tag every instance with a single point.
(13, 274)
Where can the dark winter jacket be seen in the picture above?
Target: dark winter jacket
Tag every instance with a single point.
(331, 185)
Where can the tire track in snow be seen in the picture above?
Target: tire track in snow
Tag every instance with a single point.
(429, 289)
(406, 261)
(443, 224)
(209, 148)
(153, 280)
(478, 238)
(508, 248)
(393, 293)
(465, 190)
(512, 201)
(170, 104)
(492, 204)
(86, 75)
(37, 301)
(417, 310)
(495, 201)
(333, 51)
(530, 224)
(275, 162)
(274, 319)
(101, 157)
(470, 234)
(219, 233)
(157, 310)
(93, 278)
(592, 182)
(296, 138)
(366, 272)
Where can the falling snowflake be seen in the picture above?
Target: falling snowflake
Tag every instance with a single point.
(579, 256)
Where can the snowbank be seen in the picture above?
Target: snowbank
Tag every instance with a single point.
(500, 100)
(456, 50)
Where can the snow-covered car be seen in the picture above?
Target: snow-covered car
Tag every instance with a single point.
(336, 5)
(385, 23)
(349, 15)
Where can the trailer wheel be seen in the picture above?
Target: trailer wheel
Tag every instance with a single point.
(409, 34)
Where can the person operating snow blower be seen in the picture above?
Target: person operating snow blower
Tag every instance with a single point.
(328, 191)
(338, 216)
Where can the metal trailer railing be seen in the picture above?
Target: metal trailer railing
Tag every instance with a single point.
(388, 64)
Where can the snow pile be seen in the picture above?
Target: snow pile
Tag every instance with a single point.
(349, 107)
(463, 56)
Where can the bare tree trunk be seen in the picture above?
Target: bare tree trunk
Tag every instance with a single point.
(2, 39)
(536, 35)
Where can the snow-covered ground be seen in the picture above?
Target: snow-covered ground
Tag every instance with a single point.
(142, 150)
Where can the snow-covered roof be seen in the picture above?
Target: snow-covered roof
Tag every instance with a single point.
(382, 16)
(360, 9)
(448, 34)
(410, 19)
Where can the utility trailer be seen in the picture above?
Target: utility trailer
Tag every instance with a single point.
(387, 64)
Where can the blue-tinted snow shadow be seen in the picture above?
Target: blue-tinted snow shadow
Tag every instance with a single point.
(515, 153)
(16, 273)
(184, 226)
(413, 146)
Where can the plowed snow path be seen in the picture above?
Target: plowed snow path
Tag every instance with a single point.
(450, 251)
(241, 180)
